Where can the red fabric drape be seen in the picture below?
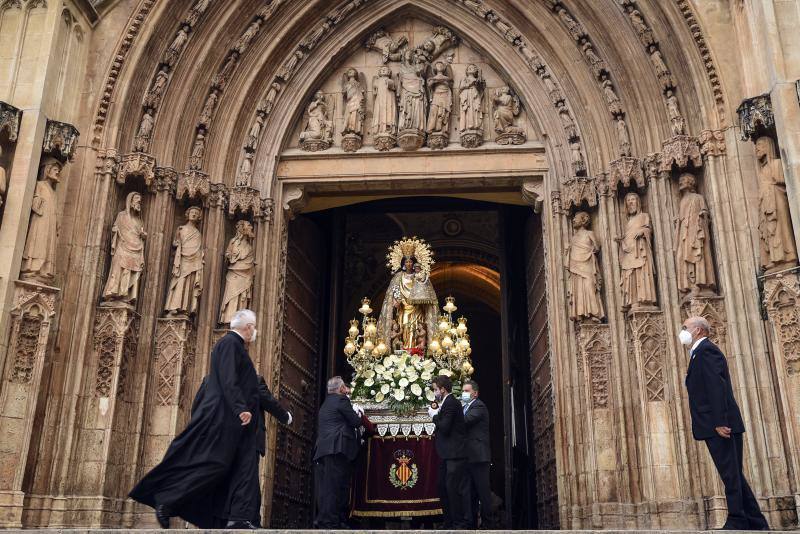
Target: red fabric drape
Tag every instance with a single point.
(396, 477)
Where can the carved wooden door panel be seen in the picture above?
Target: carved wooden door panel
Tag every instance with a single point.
(293, 496)
(543, 408)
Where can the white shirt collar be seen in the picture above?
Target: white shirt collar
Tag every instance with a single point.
(238, 334)
(696, 343)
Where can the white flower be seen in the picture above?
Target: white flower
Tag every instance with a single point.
(412, 376)
(428, 395)
(393, 384)
(379, 368)
(425, 375)
(368, 382)
(369, 373)
(416, 390)
(372, 392)
(403, 382)
(429, 365)
(399, 394)
(385, 389)
(380, 396)
(387, 375)
(446, 372)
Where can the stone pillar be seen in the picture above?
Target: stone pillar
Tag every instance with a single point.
(32, 313)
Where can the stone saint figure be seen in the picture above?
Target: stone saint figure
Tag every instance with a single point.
(239, 277)
(470, 98)
(127, 252)
(318, 128)
(355, 103)
(412, 94)
(384, 114)
(186, 283)
(585, 278)
(440, 87)
(778, 248)
(506, 108)
(636, 257)
(40, 246)
(693, 246)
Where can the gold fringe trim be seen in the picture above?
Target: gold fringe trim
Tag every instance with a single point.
(415, 513)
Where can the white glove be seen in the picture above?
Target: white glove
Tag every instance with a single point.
(432, 412)
(358, 409)
(289, 422)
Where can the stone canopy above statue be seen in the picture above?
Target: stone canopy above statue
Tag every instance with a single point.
(412, 85)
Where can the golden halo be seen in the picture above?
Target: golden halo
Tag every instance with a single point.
(410, 246)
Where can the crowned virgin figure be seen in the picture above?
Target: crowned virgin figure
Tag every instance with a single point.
(410, 309)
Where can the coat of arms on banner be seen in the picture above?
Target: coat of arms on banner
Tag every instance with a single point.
(403, 474)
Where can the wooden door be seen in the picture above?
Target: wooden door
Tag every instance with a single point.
(293, 495)
(543, 402)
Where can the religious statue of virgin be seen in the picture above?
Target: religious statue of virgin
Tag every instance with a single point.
(410, 307)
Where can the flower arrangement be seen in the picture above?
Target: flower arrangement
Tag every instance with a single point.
(402, 380)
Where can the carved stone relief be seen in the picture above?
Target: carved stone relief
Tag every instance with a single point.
(627, 172)
(38, 256)
(712, 143)
(440, 88)
(141, 142)
(116, 332)
(192, 185)
(470, 96)
(756, 117)
(32, 312)
(354, 98)
(240, 259)
(649, 344)
(578, 192)
(680, 150)
(127, 254)
(594, 341)
(137, 164)
(318, 134)
(60, 140)
(506, 110)
(175, 352)
(10, 118)
(782, 301)
(384, 114)
(777, 244)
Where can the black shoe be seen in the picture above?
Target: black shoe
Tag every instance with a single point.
(163, 513)
(241, 525)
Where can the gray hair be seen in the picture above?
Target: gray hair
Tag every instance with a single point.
(243, 318)
(699, 322)
(334, 384)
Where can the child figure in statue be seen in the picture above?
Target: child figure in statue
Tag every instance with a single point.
(396, 338)
(422, 338)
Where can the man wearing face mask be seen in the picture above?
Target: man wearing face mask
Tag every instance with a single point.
(479, 453)
(336, 448)
(450, 436)
(217, 452)
(717, 421)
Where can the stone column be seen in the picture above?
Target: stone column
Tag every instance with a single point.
(32, 313)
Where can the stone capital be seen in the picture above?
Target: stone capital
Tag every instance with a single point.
(193, 184)
(10, 118)
(60, 140)
(680, 150)
(712, 143)
(137, 164)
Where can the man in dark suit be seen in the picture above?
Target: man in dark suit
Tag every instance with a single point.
(717, 421)
(479, 453)
(336, 448)
(451, 435)
(216, 453)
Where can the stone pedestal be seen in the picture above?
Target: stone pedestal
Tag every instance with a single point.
(410, 139)
(32, 312)
(108, 440)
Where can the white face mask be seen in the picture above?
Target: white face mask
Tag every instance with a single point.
(685, 337)
(465, 397)
(253, 337)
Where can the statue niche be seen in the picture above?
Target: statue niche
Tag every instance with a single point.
(777, 245)
(39, 254)
(127, 254)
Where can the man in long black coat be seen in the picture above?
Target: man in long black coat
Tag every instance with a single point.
(450, 435)
(479, 453)
(218, 445)
(336, 448)
(716, 419)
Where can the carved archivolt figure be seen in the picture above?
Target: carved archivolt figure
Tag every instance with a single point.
(693, 242)
(674, 111)
(355, 102)
(623, 137)
(778, 248)
(611, 98)
(319, 127)
(127, 252)
(471, 100)
(141, 142)
(175, 49)
(440, 86)
(384, 111)
(636, 257)
(186, 283)
(198, 151)
(255, 133)
(241, 269)
(269, 100)
(585, 278)
(412, 94)
(208, 108)
(40, 246)
(153, 97)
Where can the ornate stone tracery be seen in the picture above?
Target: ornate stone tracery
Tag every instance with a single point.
(594, 341)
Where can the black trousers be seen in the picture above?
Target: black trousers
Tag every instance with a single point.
(244, 493)
(743, 510)
(454, 493)
(478, 473)
(332, 482)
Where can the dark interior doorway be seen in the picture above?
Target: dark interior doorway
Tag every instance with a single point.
(480, 256)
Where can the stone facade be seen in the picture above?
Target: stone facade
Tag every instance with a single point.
(254, 111)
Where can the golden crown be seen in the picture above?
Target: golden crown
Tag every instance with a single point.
(408, 247)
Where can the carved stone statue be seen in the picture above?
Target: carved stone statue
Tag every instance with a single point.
(153, 97)
(636, 257)
(40, 246)
(127, 253)
(384, 111)
(693, 242)
(355, 109)
(506, 110)
(662, 71)
(172, 53)
(186, 283)
(198, 151)
(255, 133)
(240, 256)
(778, 247)
(389, 49)
(623, 137)
(269, 100)
(244, 40)
(291, 64)
(470, 118)
(141, 142)
(567, 123)
(585, 277)
(611, 98)
(208, 108)
(440, 88)
(318, 134)
(411, 121)
(578, 163)
(674, 111)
